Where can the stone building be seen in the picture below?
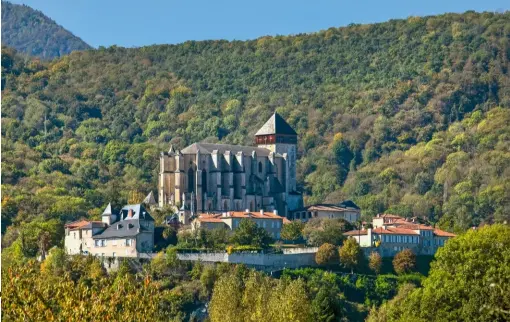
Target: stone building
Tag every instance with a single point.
(347, 210)
(230, 220)
(206, 177)
(391, 234)
(128, 232)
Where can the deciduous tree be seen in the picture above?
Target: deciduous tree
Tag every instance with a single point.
(351, 254)
(404, 261)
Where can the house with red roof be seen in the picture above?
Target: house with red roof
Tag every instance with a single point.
(391, 234)
(346, 210)
(127, 232)
(230, 220)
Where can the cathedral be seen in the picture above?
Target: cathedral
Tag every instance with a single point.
(206, 177)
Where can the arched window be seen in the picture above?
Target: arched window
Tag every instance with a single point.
(252, 207)
(191, 180)
(225, 205)
(204, 181)
(260, 167)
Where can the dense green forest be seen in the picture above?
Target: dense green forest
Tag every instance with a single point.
(33, 33)
(408, 116)
(469, 280)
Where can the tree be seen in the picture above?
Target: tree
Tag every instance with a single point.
(30, 295)
(248, 233)
(292, 231)
(351, 254)
(135, 197)
(394, 308)
(375, 262)
(318, 231)
(326, 306)
(55, 262)
(327, 255)
(468, 281)
(225, 303)
(289, 302)
(404, 261)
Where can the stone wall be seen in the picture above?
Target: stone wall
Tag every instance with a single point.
(291, 258)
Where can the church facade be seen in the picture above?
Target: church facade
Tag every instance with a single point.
(205, 177)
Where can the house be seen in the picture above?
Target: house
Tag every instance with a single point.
(347, 210)
(125, 233)
(391, 234)
(270, 221)
(78, 235)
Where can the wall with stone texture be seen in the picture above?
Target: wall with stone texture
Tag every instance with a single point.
(291, 258)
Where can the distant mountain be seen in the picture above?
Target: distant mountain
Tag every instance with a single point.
(33, 33)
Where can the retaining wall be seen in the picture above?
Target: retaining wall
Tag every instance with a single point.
(291, 258)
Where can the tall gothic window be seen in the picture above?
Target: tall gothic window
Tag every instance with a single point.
(191, 180)
(204, 181)
(260, 167)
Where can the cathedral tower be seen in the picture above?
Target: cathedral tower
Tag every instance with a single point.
(279, 137)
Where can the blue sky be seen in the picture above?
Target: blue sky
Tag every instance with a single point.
(137, 23)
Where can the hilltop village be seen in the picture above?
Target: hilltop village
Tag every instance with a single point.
(218, 186)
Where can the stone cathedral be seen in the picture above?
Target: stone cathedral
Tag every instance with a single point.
(205, 177)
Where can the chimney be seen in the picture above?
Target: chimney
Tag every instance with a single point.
(262, 212)
(247, 210)
(275, 212)
(225, 214)
(130, 213)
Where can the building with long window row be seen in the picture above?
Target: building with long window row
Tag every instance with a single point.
(391, 234)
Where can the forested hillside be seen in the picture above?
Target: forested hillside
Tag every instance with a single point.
(33, 33)
(408, 116)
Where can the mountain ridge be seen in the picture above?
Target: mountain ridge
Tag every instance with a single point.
(32, 32)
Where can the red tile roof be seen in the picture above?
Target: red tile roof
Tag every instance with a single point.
(239, 214)
(442, 233)
(382, 231)
(408, 225)
(388, 216)
(82, 224)
(394, 230)
(254, 214)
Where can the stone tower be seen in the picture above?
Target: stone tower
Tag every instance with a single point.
(279, 137)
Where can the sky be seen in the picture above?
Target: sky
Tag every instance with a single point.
(131, 23)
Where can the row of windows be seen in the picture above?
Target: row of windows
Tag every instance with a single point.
(304, 215)
(426, 233)
(400, 239)
(102, 242)
(263, 223)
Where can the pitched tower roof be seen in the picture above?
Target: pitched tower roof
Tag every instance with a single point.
(108, 210)
(276, 125)
(149, 200)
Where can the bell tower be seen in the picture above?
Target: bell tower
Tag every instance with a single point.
(279, 137)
